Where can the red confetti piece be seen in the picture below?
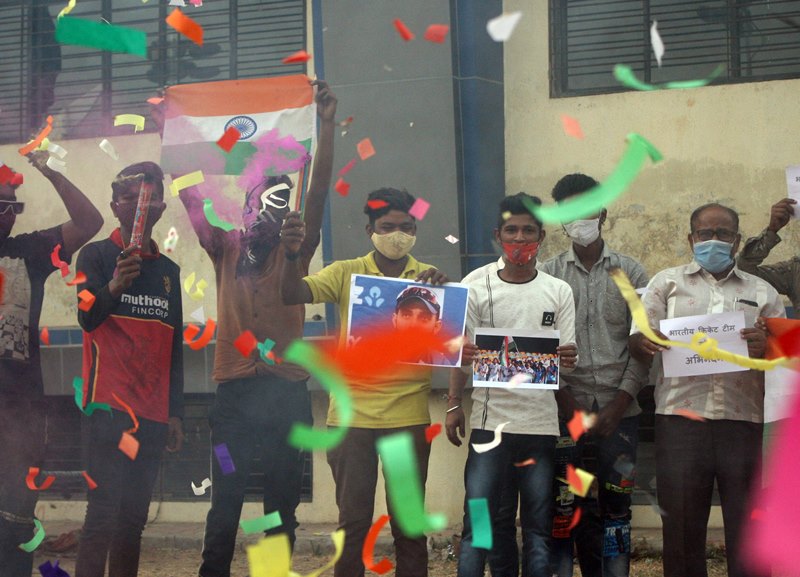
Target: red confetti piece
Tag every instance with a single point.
(192, 331)
(45, 336)
(348, 167)
(129, 445)
(299, 56)
(246, 343)
(186, 26)
(525, 463)
(80, 278)
(87, 300)
(574, 480)
(346, 122)
(365, 149)
(367, 551)
(31, 483)
(575, 426)
(431, 431)
(572, 127)
(229, 139)
(437, 33)
(405, 33)
(57, 262)
(342, 187)
(130, 412)
(17, 179)
(376, 204)
(155, 100)
(576, 517)
(89, 481)
(688, 414)
(5, 174)
(36, 142)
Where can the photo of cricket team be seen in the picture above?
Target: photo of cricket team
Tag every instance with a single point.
(518, 360)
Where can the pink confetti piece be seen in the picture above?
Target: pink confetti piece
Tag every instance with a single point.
(572, 127)
(365, 149)
(419, 209)
(348, 167)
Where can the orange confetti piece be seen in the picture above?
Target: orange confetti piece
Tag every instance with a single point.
(367, 551)
(80, 278)
(688, 414)
(436, 33)
(376, 204)
(30, 480)
(57, 262)
(342, 187)
(405, 33)
(525, 463)
(186, 26)
(576, 517)
(89, 481)
(87, 300)
(45, 336)
(365, 149)
(431, 431)
(132, 415)
(575, 426)
(299, 56)
(36, 142)
(572, 127)
(155, 100)
(129, 445)
(579, 481)
(229, 139)
(192, 331)
(246, 343)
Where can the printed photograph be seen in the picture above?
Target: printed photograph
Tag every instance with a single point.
(514, 358)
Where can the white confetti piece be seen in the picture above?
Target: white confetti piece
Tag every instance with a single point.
(501, 28)
(177, 3)
(451, 239)
(56, 150)
(199, 315)
(201, 490)
(57, 165)
(498, 436)
(108, 148)
(656, 42)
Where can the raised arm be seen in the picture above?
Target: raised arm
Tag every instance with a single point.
(757, 248)
(210, 237)
(85, 219)
(323, 166)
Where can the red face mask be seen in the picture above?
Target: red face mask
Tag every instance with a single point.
(520, 253)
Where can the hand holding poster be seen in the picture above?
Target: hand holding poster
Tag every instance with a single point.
(518, 358)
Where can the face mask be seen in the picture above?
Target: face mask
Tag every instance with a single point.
(394, 245)
(583, 232)
(520, 253)
(713, 255)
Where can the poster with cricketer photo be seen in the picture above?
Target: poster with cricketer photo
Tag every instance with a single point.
(523, 359)
(383, 303)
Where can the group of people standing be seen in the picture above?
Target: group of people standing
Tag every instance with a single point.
(132, 362)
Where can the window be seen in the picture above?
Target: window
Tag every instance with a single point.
(84, 88)
(754, 40)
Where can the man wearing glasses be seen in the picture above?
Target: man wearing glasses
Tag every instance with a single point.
(25, 264)
(726, 444)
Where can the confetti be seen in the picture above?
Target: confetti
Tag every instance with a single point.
(196, 3)
(403, 30)
(44, 336)
(265, 351)
(656, 42)
(368, 550)
(6, 174)
(89, 481)
(191, 331)
(342, 187)
(155, 100)
(264, 523)
(299, 56)
(377, 204)
(626, 77)
(185, 181)
(431, 431)
(129, 445)
(77, 384)
(270, 557)
(436, 33)
(575, 426)
(578, 480)
(571, 127)
(135, 120)
(213, 219)
(419, 209)
(576, 517)
(224, 459)
(229, 139)
(201, 490)
(346, 122)
(245, 343)
(87, 300)
(525, 463)
(688, 414)
(199, 290)
(56, 150)
(498, 436)
(108, 148)
(30, 480)
(198, 314)
(601, 196)
(502, 27)
(55, 164)
(186, 26)
(180, 3)
(67, 9)
(348, 167)
(101, 35)
(481, 523)
(49, 570)
(403, 486)
(37, 539)
(57, 262)
(33, 144)
(172, 240)
(451, 239)
(365, 149)
(80, 278)
(130, 412)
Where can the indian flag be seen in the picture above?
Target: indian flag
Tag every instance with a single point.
(197, 115)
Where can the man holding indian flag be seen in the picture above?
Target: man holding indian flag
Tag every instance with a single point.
(257, 400)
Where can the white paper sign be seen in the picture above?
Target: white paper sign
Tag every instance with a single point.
(793, 184)
(723, 327)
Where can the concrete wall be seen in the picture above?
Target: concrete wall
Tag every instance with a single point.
(720, 143)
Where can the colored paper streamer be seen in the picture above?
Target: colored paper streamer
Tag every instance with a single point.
(367, 551)
(67, 9)
(365, 149)
(87, 300)
(403, 30)
(185, 181)
(701, 343)
(626, 77)
(191, 331)
(436, 33)
(481, 523)
(227, 140)
(419, 209)
(130, 412)
(601, 196)
(498, 436)
(30, 480)
(404, 487)
(80, 278)
(264, 523)
(201, 490)
(302, 436)
(77, 384)
(135, 120)
(246, 343)
(213, 219)
(186, 26)
(33, 144)
(342, 187)
(37, 539)
(55, 258)
(297, 57)
(224, 459)
(129, 445)
(431, 431)
(101, 35)
(49, 570)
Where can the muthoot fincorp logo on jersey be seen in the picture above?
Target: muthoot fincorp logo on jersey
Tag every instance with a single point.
(147, 305)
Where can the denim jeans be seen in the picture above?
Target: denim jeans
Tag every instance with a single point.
(484, 477)
(253, 417)
(22, 443)
(116, 512)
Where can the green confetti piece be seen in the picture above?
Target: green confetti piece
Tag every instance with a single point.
(626, 77)
(77, 384)
(404, 487)
(302, 436)
(38, 537)
(481, 523)
(265, 523)
(101, 35)
(213, 219)
(264, 349)
(601, 196)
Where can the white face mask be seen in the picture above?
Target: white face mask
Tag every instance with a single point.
(583, 232)
(394, 245)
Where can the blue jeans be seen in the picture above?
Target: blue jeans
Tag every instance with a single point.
(484, 476)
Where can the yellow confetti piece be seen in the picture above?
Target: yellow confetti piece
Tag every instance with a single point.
(68, 8)
(578, 480)
(701, 343)
(185, 181)
(199, 291)
(125, 119)
(271, 556)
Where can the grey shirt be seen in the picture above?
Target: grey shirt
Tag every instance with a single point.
(602, 324)
(784, 276)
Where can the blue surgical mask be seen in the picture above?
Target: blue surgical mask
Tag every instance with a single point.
(713, 255)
